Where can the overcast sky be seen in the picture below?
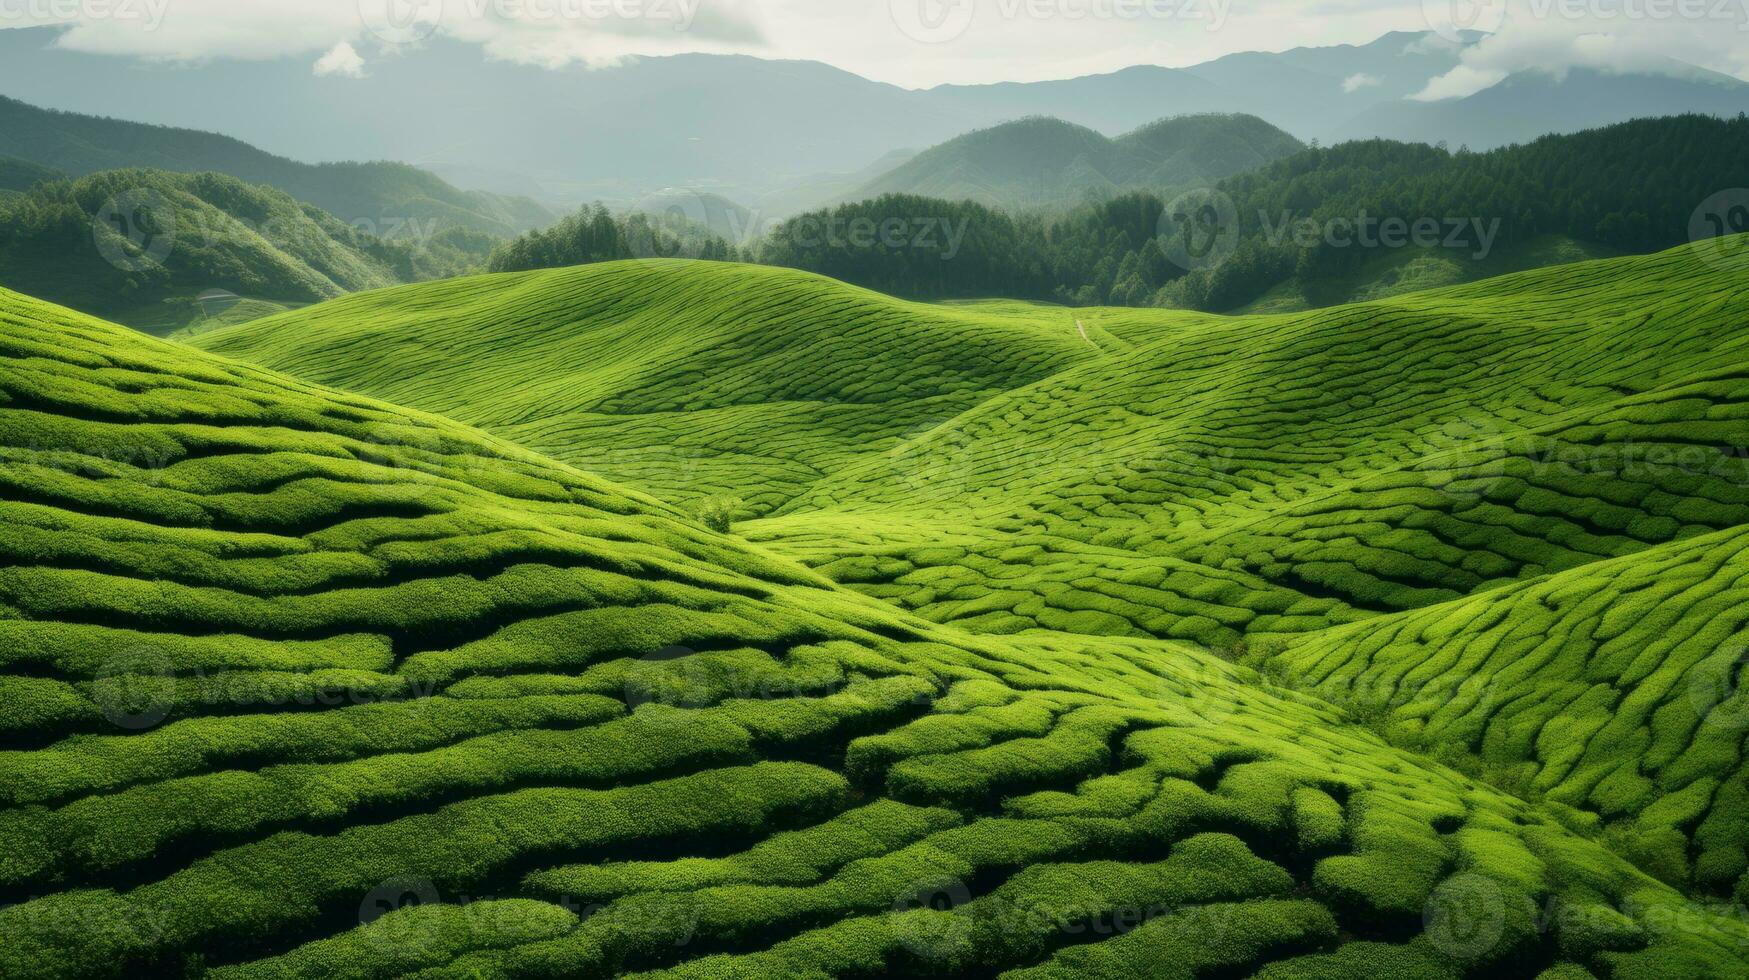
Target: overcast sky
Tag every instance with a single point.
(915, 43)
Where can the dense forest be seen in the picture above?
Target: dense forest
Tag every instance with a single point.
(1316, 215)
(1634, 186)
(595, 234)
(160, 235)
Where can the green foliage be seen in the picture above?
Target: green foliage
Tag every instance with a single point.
(276, 657)
(141, 244)
(378, 194)
(719, 513)
(594, 234)
(1629, 187)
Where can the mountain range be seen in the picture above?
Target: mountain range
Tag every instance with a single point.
(382, 198)
(751, 128)
(1046, 162)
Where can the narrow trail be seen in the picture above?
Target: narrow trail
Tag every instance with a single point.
(1082, 327)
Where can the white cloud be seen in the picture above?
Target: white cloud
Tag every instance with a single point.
(597, 33)
(342, 59)
(1554, 38)
(547, 32)
(1358, 81)
(1003, 40)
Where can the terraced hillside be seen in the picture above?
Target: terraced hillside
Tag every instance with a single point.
(1308, 493)
(277, 659)
(1122, 472)
(688, 379)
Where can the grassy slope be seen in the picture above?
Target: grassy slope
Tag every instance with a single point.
(1206, 478)
(274, 655)
(684, 378)
(1409, 270)
(1172, 474)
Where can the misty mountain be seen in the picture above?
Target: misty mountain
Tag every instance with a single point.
(387, 199)
(1530, 104)
(1049, 163)
(748, 128)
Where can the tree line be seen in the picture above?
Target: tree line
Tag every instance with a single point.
(1634, 186)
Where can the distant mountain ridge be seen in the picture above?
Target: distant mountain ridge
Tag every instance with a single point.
(748, 128)
(19, 175)
(1049, 163)
(375, 196)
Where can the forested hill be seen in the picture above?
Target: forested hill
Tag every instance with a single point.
(1632, 187)
(356, 192)
(594, 234)
(1047, 163)
(130, 244)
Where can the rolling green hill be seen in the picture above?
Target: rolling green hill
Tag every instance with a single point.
(1235, 482)
(666, 374)
(384, 195)
(278, 659)
(141, 247)
(1047, 163)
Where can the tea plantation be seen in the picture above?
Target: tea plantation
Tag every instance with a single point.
(1388, 640)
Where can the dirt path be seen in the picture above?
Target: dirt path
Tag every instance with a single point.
(1083, 328)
